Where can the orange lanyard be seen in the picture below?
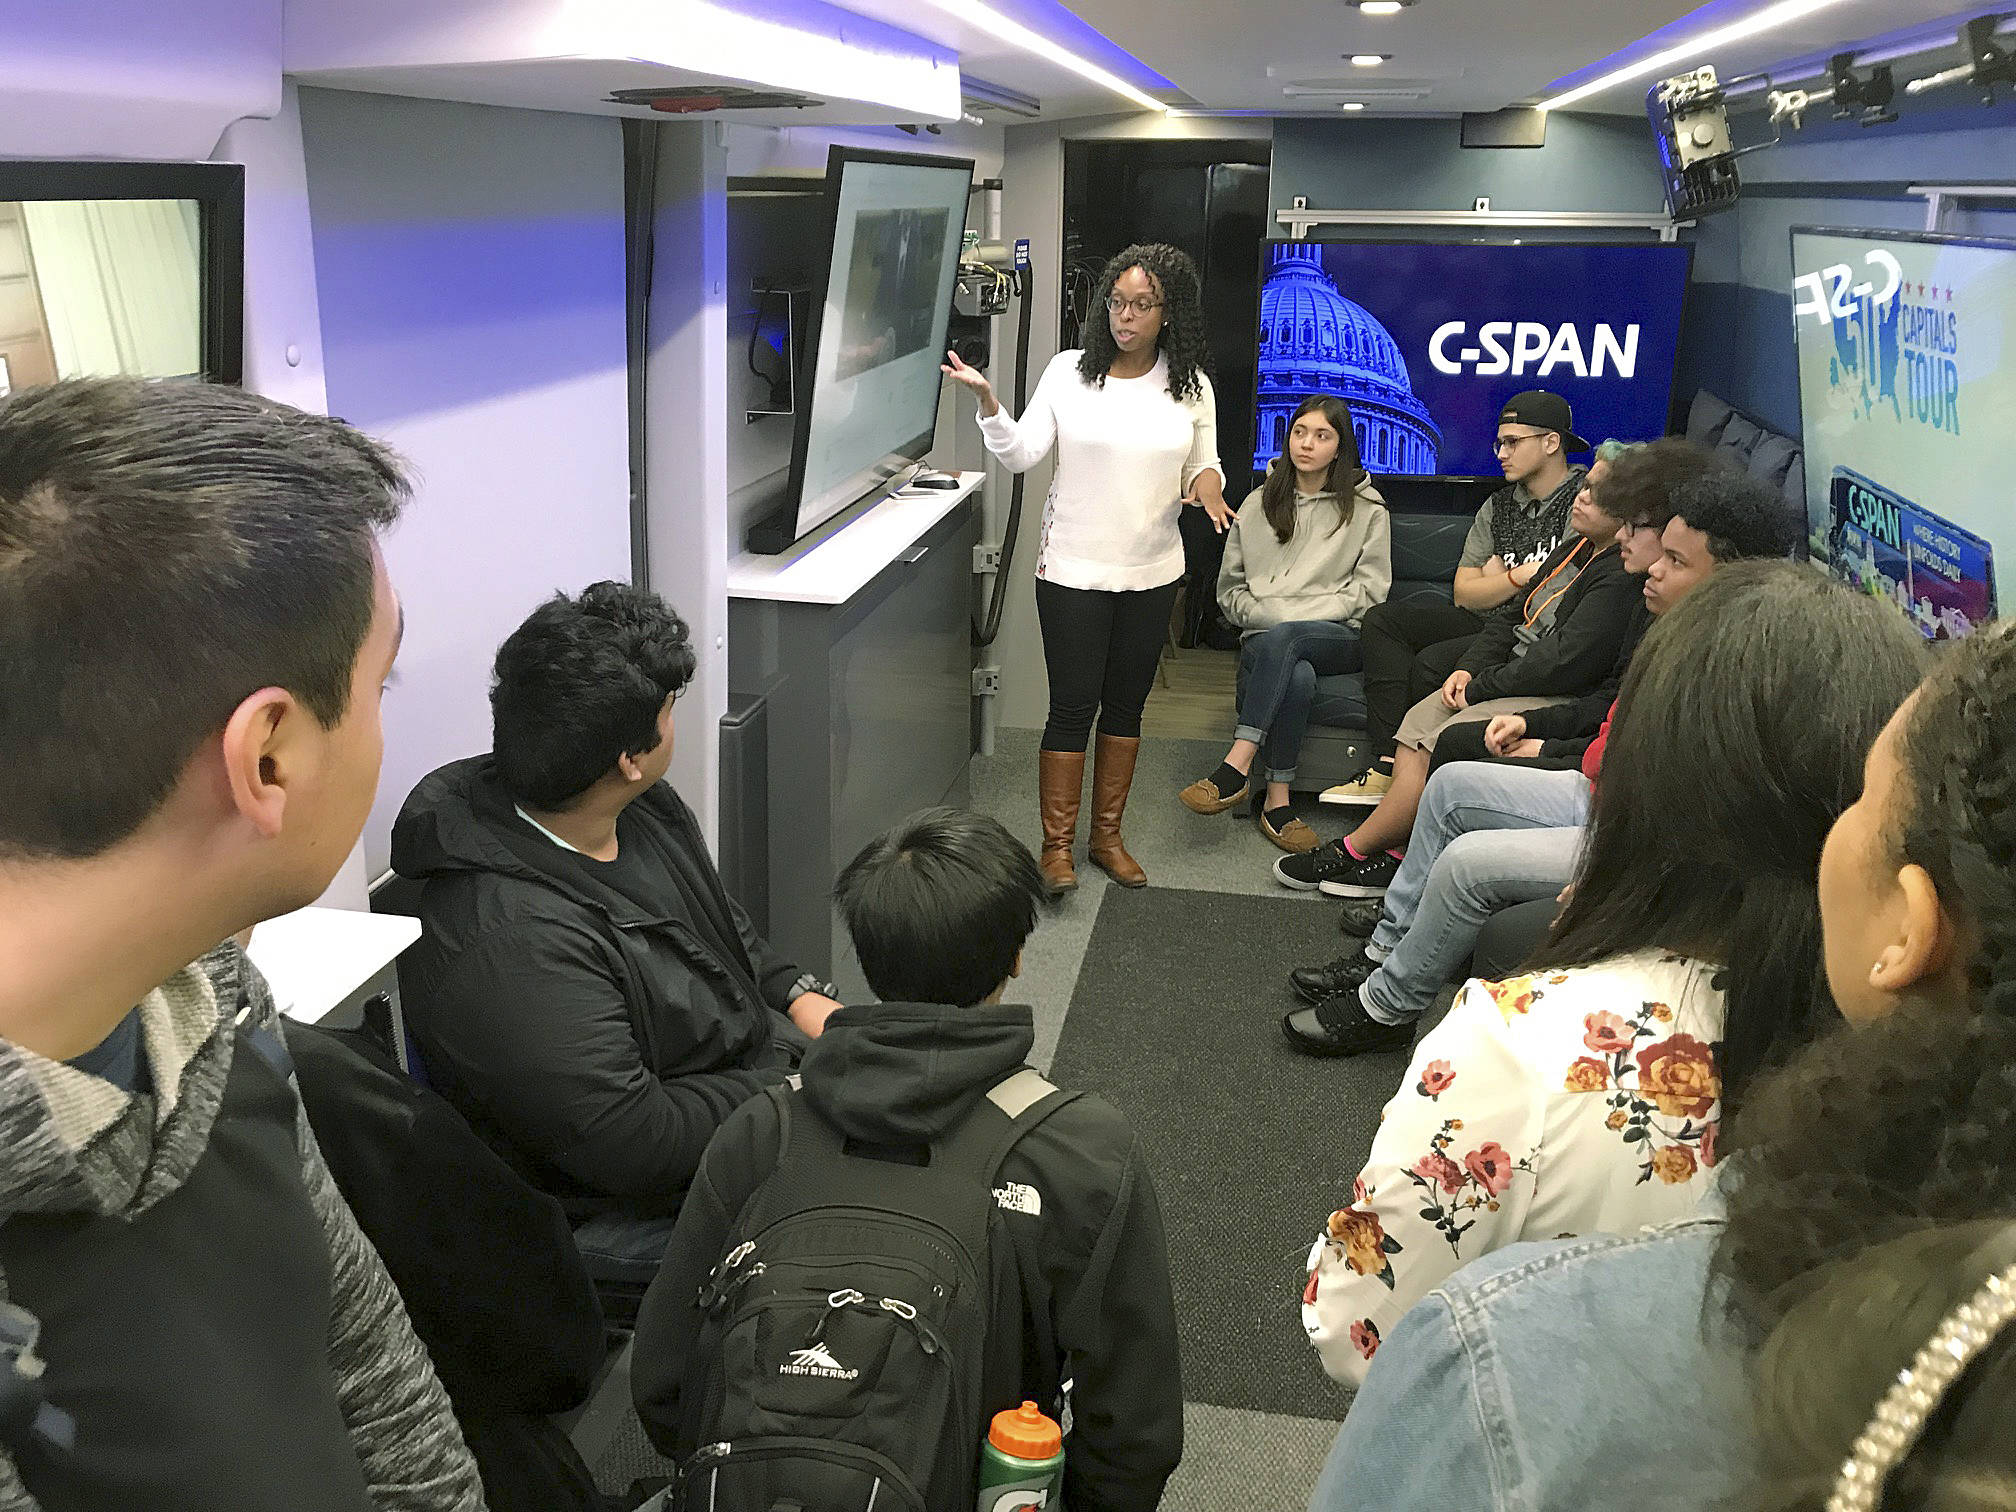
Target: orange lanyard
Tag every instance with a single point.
(1533, 614)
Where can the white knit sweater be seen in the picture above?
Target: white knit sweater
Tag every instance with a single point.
(1127, 452)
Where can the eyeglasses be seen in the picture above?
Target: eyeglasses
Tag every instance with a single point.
(1115, 304)
(1505, 444)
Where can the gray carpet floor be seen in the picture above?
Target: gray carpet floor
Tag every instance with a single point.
(1175, 1021)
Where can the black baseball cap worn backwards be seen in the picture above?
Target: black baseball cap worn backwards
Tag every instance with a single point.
(1544, 411)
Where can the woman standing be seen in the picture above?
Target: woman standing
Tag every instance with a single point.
(1309, 552)
(1134, 422)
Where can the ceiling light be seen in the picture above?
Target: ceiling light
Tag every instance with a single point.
(1368, 60)
(1015, 34)
(1784, 13)
(1381, 7)
(1352, 105)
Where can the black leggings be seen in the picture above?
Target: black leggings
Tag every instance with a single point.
(1410, 647)
(1101, 650)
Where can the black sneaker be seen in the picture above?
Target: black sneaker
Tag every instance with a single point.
(1360, 917)
(1312, 984)
(1307, 872)
(1361, 879)
(1340, 1026)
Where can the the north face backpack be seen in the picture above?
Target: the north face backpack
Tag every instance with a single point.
(838, 1364)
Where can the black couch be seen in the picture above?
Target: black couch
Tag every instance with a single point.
(1430, 519)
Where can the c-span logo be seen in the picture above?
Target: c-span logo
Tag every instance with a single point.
(816, 1361)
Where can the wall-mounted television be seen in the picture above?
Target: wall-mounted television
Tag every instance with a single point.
(1907, 374)
(868, 388)
(109, 269)
(1426, 341)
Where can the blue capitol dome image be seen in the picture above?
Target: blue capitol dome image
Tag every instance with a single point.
(1314, 340)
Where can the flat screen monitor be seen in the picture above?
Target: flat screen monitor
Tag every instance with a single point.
(111, 269)
(1907, 382)
(867, 404)
(1426, 341)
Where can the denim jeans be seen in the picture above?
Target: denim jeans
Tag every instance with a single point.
(1281, 666)
(1487, 836)
(621, 1255)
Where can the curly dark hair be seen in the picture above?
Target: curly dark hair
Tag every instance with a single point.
(1904, 1124)
(1642, 479)
(1855, 1325)
(580, 684)
(1182, 338)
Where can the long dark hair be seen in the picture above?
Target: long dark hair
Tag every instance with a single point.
(1342, 477)
(1905, 1123)
(1182, 336)
(1735, 744)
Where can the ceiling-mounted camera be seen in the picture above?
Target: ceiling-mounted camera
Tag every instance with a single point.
(1690, 117)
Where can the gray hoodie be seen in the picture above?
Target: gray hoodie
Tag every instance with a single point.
(73, 1143)
(1321, 572)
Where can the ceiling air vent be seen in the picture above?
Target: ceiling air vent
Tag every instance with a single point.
(697, 99)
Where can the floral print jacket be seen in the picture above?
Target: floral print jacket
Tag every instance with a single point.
(1569, 1102)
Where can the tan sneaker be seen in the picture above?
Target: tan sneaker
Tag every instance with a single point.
(1295, 837)
(1367, 788)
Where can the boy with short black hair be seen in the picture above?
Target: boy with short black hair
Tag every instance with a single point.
(939, 909)
(587, 994)
(195, 626)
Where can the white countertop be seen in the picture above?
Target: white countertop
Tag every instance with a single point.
(315, 958)
(833, 570)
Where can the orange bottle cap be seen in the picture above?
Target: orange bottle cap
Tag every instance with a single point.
(1026, 1433)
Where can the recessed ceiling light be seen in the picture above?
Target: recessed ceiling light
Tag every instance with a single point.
(1380, 7)
(1771, 16)
(1352, 105)
(1368, 60)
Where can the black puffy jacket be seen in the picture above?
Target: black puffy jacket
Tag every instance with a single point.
(597, 1045)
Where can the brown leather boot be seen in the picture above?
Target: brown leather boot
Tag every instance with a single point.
(1112, 775)
(1060, 784)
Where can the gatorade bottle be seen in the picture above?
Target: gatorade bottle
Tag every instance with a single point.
(1022, 1462)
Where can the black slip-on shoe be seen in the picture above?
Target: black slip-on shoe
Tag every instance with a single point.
(1340, 1026)
(1312, 984)
(1360, 917)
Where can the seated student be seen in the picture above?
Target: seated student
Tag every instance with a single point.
(1411, 647)
(1491, 835)
(586, 993)
(1586, 1097)
(196, 624)
(1637, 485)
(1601, 1372)
(486, 1266)
(1308, 553)
(1556, 641)
(939, 909)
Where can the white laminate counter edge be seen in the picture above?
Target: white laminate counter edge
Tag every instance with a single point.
(315, 958)
(833, 570)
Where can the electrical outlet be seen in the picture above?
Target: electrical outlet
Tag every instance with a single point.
(986, 558)
(1483, 204)
(986, 681)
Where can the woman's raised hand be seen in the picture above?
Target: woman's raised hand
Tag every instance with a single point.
(974, 380)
